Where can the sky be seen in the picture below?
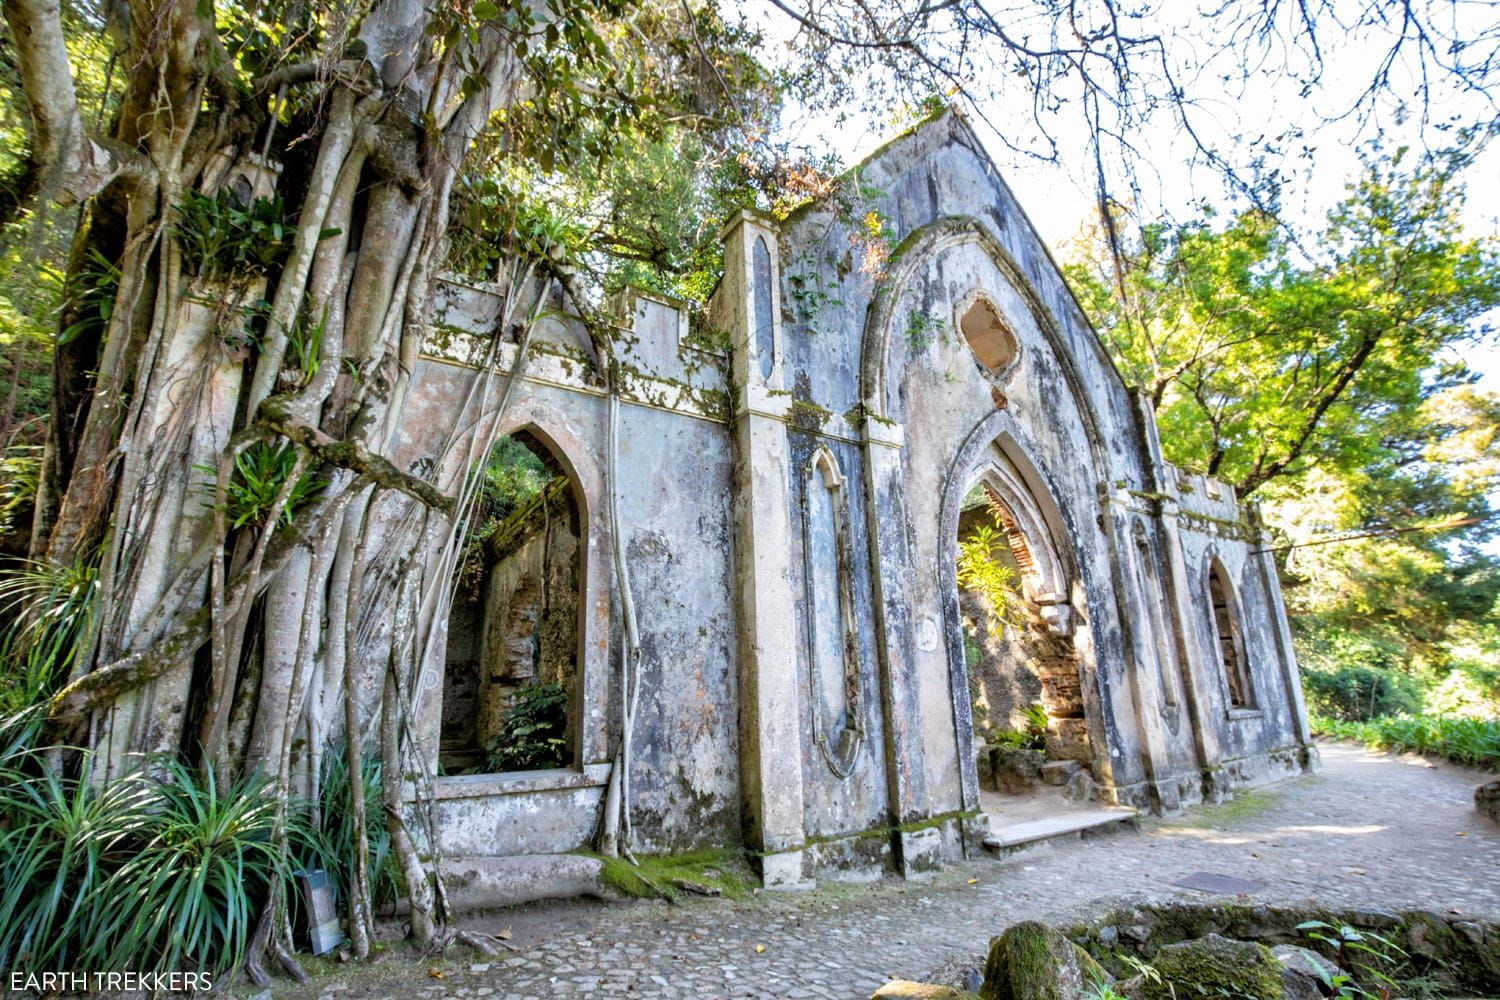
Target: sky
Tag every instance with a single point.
(1239, 119)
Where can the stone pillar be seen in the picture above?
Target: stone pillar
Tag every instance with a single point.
(748, 305)
(1142, 707)
(1199, 668)
(1265, 563)
(919, 847)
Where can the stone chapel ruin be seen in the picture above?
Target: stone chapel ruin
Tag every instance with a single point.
(798, 470)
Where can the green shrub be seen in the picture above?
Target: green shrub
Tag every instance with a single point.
(1470, 691)
(980, 571)
(1472, 742)
(1357, 693)
(534, 734)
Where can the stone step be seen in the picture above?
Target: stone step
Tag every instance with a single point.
(1007, 838)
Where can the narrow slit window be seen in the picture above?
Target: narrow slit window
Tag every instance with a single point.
(765, 323)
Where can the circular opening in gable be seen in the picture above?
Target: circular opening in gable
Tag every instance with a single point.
(989, 337)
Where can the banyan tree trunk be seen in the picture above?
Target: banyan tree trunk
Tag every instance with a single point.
(237, 643)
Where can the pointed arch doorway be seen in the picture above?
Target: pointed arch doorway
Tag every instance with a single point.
(511, 679)
(1015, 585)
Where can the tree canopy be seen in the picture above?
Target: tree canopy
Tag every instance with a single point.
(1325, 377)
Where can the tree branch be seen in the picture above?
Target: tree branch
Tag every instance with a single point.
(353, 455)
(75, 166)
(73, 703)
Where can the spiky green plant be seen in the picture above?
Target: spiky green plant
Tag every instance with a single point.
(259, 473)
(332, 847)
(21, 731)
(58, 841)
(159, 869)
(47, 608)
(189, 896)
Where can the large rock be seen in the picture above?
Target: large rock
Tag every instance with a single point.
(1212, 966)
(1059, 772)
(1032, 961)
(1487, 801)
(1307, 973)
(1016, 771)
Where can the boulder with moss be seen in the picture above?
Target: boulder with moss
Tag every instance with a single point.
(1210, 966)
(1032, 961)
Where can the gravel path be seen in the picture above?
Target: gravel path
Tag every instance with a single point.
(1370, 831)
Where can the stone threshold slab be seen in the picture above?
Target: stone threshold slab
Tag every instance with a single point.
(1008, 836)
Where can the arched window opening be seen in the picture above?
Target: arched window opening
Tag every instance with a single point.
(989, 336)
(833, 638)
(510, 683)
(1231, 649)
(765, 323)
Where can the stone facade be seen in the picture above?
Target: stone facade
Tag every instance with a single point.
(793, 467)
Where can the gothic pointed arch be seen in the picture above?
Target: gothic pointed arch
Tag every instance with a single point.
(1229, 636)
(833, 647)
(995, 458)
(916, 252)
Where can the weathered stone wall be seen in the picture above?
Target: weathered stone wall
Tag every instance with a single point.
(1267, 737)
(838, 682)
(685, 771)
(674, 508)
(529, 616)
(790, 511)
(1066, 416)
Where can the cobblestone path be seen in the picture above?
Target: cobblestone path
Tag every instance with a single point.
(1370, 831)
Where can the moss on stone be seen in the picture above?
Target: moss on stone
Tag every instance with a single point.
(1032, 961)
(1213, 966)
(1246, 803)
(668, 876)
